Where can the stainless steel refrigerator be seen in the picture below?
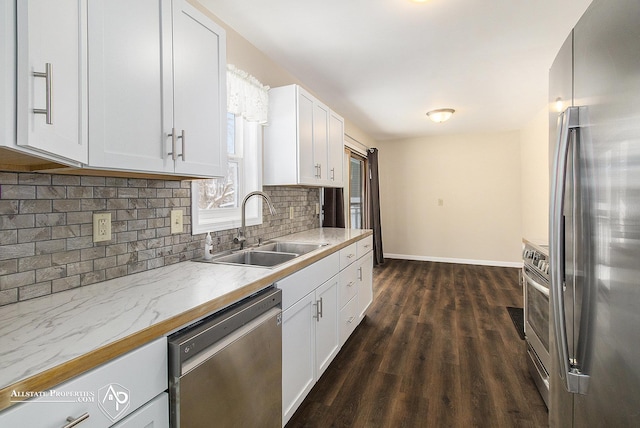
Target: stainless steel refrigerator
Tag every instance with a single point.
(595, 220)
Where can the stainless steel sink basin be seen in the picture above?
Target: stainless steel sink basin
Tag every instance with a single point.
(256, 258)
(299, 248)
(267, 255)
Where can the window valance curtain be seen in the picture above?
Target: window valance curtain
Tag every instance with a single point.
(246, 96)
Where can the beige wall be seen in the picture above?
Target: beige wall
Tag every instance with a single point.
(247, 57)
(478, 179)
(535, 177)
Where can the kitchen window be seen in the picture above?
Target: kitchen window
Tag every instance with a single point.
(216, 202)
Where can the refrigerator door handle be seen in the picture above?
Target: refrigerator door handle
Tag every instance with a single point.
(575, 381)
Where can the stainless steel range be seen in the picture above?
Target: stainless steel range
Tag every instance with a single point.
(535, 272)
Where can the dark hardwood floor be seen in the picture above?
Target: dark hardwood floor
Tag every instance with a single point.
(437, 349)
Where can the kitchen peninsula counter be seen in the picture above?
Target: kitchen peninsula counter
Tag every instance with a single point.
(51, 339)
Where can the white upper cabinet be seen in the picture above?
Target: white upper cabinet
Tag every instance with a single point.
(52, 78)
(303, 141)
(336, 150)
(7, 72)
(157, 76)
(200, 91)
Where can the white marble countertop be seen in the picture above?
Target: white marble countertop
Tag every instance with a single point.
(48, 340)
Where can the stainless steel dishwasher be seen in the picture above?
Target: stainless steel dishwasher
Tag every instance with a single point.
(226, 370)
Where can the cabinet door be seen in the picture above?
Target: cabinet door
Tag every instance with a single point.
(307, 171)
(298, 352)
(52, 42)
(327, 338)
(7, 73)
(154, 414)
(136, 378)
(336, 150)
(321, 141)
(131, 103)
(200, 93)
(365, 283)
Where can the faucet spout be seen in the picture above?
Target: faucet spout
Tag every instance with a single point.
(241, 239)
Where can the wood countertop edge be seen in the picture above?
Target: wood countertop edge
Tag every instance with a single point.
(54, 376)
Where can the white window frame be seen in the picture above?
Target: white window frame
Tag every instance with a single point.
(249, 155)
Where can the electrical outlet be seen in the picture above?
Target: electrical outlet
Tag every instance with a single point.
(291, 213)
(176, 221)
(101, 227)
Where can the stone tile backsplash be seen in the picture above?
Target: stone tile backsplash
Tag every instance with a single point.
(46, 229)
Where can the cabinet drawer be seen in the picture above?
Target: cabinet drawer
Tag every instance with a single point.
(134, 379)
(348, 319)
(348, 284)
(364, 245)
(348, 255)
(154, 414)
(299, 284)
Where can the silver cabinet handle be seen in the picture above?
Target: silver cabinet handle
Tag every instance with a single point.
(350, 320)
(75, 421)
(321, 307)
(48, 76)
(360, 273)
(350, 284)
(317, 315)
(174, 140)
(183, 146)
(333, 174)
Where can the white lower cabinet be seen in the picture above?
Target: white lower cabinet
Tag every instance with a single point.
(128, 391)
(322, 305)
(154, 414)
(298, 354)
(365, 283)
(326, 317)
(310, 338)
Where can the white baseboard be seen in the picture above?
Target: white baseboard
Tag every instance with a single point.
(450, 260)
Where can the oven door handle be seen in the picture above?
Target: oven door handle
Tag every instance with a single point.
(541, 288)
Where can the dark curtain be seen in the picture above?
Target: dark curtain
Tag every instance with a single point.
(333, 207)
(374, 206)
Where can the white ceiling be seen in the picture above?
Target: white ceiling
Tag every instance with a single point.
(384, 63)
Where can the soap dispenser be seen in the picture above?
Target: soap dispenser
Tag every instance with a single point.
(208, 247)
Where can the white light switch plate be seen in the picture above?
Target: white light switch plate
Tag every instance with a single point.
(176, 221)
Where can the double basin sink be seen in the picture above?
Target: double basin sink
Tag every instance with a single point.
(267, 255)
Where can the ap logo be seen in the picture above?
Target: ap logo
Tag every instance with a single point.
(113, 400)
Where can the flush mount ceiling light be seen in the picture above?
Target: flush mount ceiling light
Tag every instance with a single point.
(440, 115)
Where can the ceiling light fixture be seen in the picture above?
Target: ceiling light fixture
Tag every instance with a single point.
(440, 115)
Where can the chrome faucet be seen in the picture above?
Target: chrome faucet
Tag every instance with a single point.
(241, 239)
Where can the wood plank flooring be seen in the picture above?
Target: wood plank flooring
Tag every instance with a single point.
(437, 349)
